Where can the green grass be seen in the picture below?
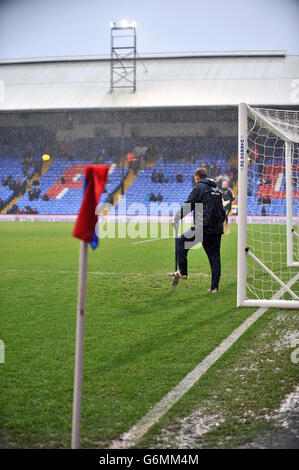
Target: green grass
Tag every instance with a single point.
(140, 341)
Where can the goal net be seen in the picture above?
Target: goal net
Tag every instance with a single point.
(268, 216)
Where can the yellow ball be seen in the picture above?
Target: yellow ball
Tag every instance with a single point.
(46, 157)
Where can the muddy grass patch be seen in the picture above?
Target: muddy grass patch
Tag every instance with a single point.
(253, 401)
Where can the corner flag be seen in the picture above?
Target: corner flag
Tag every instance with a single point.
(94, 183)
(95, 179)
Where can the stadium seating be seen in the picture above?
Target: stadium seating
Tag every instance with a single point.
(172, 192)
(174, 155)
(66, 198)
(9, 166)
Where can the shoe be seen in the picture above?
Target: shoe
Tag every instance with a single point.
(213, 291)
(178, 274)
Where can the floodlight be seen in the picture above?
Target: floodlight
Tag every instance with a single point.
(124, 23)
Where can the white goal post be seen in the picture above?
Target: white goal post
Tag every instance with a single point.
(268, 208)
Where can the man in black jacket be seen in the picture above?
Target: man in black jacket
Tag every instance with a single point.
(208, 226)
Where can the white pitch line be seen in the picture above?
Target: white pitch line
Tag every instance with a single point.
(96, 273)
(133, 436)
(196, 247)
(34, 271)
(149, 240)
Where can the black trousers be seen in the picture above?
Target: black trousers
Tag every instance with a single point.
(227, 211)
(211, 244)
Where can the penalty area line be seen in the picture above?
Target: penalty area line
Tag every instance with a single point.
(135, 434)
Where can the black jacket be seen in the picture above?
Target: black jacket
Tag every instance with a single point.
(207, 193)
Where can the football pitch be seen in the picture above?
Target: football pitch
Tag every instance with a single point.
(140, 342)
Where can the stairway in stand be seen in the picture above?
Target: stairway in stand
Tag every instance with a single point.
(131, 176)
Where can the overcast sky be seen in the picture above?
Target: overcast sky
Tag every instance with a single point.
(42, 28)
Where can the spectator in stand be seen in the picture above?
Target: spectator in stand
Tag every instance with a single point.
(25, 171)
(24, 184)
(154, 176)
(36, 192)
(28, 210)
(160, 176)
(166, 178)
(179, 177)
(206, 166)
(131, 159)
(17, 188)
(267, 200)
(10, 182)
(159, 197)
(213, 172)
(99, 160)
(1, 204)
(152, 197)
(235, 173)
(268, 180)
(261, 167)
(263, 210)
(14, 210)
(264, 200)
(62, 180)
(110, 199)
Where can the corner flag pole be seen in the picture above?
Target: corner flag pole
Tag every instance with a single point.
(95, 177)
(79, 345)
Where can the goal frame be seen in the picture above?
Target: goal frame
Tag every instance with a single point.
(243, 250)
(289, 204)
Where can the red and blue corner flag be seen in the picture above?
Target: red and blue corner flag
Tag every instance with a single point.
(95, 177)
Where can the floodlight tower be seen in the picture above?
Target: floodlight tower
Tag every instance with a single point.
(123, 56)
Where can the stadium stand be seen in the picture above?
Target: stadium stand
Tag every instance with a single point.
(63, 183)
(9, 166)
(65, 198)
(171, 191)
(270, 189)
(60, 183)
(60, 187)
